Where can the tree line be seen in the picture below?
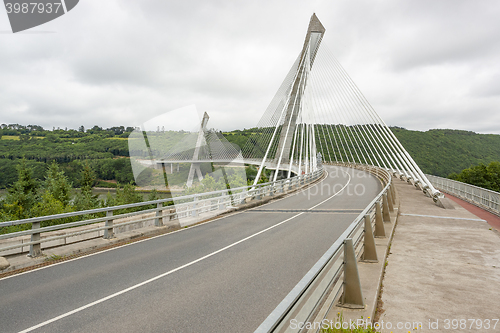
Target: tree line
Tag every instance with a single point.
(29, 197)
(485, 176)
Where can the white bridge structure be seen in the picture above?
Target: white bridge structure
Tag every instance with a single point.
(318, 114)
(255, 255)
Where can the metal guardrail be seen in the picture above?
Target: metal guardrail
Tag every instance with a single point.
(336, 271)
(185, 206)
(487, 199)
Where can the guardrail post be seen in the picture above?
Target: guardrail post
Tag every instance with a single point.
(221, 203)
(385, 210)
(389, 200)
(258, 194)
(159, 215)
(35, 249)
(370, 252)
(352, 296)
(282, 187)
(108, 233)
(194, 212)
(379, 222)
(271, 189)
(393, 192)
(172, 214)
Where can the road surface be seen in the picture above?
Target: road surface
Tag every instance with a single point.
(226, 275)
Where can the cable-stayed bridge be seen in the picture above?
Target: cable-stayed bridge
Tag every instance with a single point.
(267, 252)
(318, 112)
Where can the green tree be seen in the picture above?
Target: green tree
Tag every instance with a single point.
(57, 184)
(23, 195)
(480, 175)
(85, 199)
(127, 195)
(48, 205)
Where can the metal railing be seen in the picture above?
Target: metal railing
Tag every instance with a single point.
(335, 273)
(185, 207)
(487, 199)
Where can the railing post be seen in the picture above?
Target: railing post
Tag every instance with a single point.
(271, 189)
(352, 296)
(385, 210)
(258, 193)
(389, 199)
(194, 212)
(172, 214)
(108, 233)
(393, 192)
(370, 252)
(379, 222)
(221, 204)
(35, 249)
(159, 215)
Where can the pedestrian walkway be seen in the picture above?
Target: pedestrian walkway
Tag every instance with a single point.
(443, 270)
(492, 219)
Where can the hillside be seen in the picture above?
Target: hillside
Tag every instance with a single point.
(439, 152)
(443, 151)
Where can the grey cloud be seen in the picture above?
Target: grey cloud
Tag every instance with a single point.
(421, 63)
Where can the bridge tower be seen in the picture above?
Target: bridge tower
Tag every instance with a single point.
(314, 35)
(319, 109)
(292, 135)
(195, 166)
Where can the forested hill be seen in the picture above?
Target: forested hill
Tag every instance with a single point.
(439, 152)
(443, 151)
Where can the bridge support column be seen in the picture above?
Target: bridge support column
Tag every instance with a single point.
(385, 210)
(379, 222)
(159, 215)
(370, 252)
(352, 296)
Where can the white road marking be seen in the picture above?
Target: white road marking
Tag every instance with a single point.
(175, 269)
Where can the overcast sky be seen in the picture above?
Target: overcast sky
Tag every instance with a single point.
(422, 64)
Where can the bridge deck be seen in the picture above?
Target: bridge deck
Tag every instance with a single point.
(222, 276)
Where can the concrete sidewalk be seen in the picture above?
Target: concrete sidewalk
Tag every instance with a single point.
(443, 270)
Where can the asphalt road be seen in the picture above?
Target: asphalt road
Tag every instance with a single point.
(223, 276)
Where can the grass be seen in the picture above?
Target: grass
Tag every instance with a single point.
(10, 137)
(339, 322)
(54, 257)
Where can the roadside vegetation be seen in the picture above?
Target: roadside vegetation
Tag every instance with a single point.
(485, 176)
(29, 197)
